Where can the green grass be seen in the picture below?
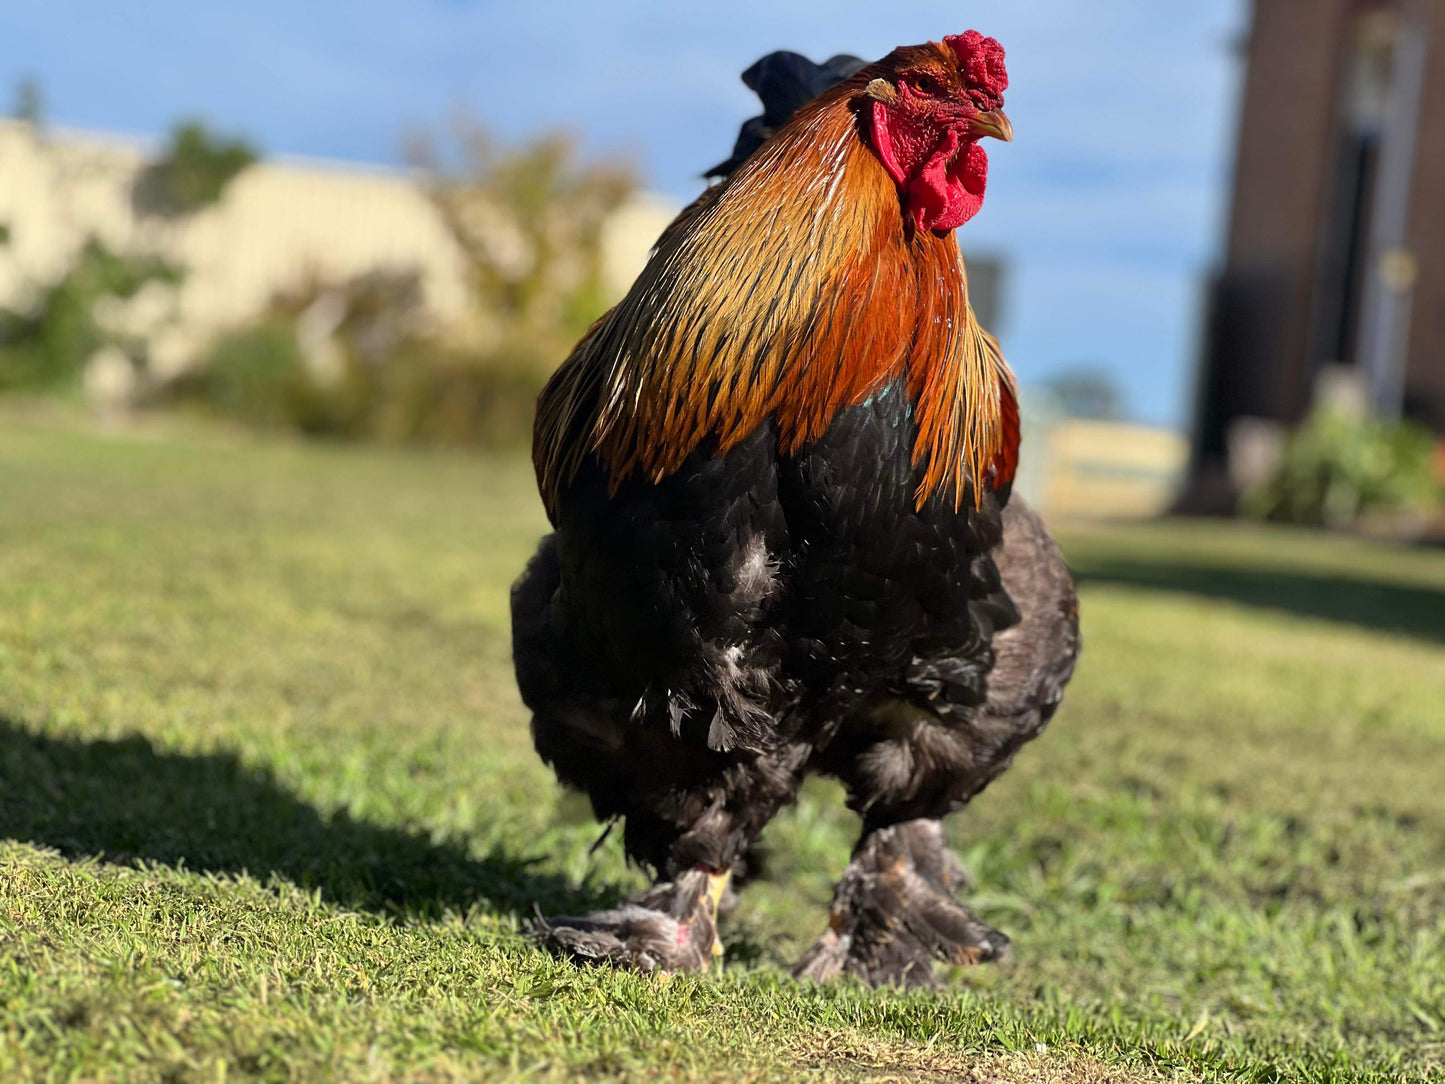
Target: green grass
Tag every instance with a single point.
(268, 807)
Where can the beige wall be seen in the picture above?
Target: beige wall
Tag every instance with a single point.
(1109, 470)
(275, 224)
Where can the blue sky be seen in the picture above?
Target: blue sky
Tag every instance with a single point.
(1108, 205)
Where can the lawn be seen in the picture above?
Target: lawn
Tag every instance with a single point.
(268, 807)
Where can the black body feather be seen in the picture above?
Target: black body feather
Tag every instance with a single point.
(690, 648)
(784, 82)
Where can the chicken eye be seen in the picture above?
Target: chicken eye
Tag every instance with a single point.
(924, 84)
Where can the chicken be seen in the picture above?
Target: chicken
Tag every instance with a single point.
(778, 474)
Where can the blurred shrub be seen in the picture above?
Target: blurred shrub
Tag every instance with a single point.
(47, 345)
(359, 359)
(529, 221)
(257, 376)
(452, 400)
(191, 172)
(1089, 391)
(423, 394)
(1342, 465)
(354, 361)
(29, 102)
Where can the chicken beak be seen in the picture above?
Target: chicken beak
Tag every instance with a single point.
(992, 123)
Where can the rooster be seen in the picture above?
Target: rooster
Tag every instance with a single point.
(778, 474)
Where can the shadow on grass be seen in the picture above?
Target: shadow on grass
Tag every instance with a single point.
(1389, 607)
(123, 800)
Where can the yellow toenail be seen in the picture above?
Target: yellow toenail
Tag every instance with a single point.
(717, 884)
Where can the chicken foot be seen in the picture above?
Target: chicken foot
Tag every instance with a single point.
(670, 927)
(894, 913)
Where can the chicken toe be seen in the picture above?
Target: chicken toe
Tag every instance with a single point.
(670, 927)
(894, 914)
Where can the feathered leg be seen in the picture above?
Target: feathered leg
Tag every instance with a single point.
(895, 913)
(644, 640)
(689, 813)
(907, 766)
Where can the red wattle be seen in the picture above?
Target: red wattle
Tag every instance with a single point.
(946, 190)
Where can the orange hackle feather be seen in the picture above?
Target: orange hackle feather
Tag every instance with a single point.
(794, 290)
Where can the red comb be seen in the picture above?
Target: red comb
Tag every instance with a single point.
(981, 60)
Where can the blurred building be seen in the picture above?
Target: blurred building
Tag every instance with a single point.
(1334, 275)
(987, 283)
(278, 224)
(1105, 470)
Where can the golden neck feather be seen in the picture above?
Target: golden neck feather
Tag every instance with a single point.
(793, 290)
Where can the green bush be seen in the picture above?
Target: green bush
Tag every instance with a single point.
(418, 393)
(47, 346)
(258, 376)
(453, 400)
(362, 358)
(1340, 466)
(192, 171)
